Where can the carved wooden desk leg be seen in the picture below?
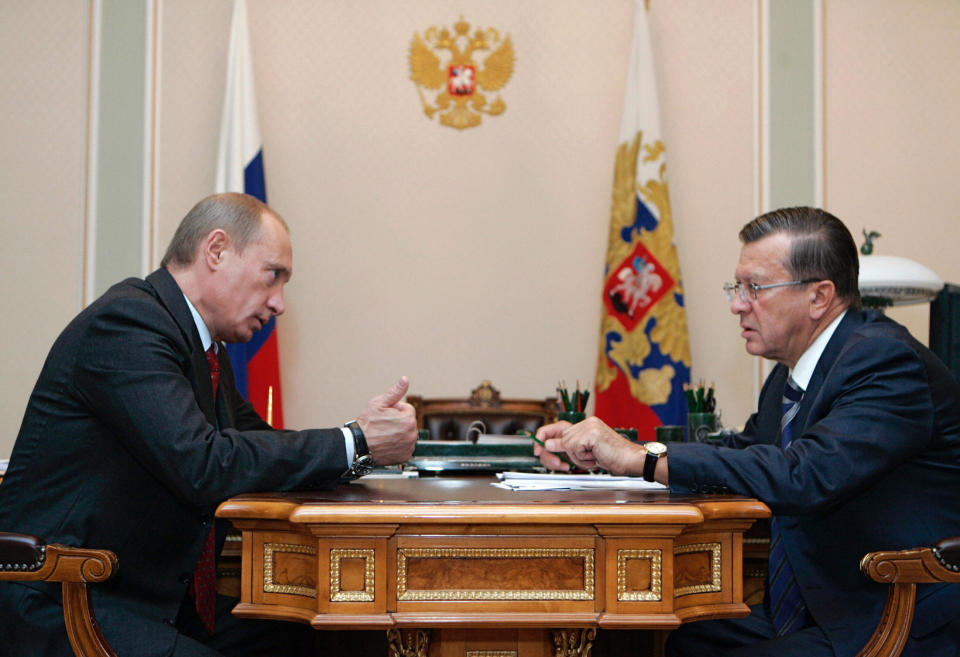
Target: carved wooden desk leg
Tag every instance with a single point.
(408, 643)
(574, 643)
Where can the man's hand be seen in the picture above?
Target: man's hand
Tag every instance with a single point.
(390, 425)
(590, 444)
(549, 435)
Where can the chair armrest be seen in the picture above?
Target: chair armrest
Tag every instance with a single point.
(28, 558)
(938, 563)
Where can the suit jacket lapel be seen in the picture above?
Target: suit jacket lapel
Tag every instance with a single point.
(225, 415)
(768, 414)
(171, 297)
(851, 321)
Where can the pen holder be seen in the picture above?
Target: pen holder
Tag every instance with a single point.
(423, 434)
(572, 416)
(670, 433)
(699, 425)
(627, 432)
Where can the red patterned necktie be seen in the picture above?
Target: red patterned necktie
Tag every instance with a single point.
(204, 588)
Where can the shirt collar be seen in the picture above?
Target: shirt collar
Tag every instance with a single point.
(803, 370)
(202, 329)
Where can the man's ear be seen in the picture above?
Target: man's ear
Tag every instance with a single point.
(214, 247)
(821, 295)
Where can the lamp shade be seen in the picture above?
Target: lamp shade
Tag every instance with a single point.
(895, 281)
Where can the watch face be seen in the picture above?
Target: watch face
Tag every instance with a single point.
(656, 448)
(363, 465)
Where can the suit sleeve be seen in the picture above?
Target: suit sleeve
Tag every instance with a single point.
(134, 372)
(874, 410)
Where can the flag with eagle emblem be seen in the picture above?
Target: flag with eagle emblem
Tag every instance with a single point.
(644, 350)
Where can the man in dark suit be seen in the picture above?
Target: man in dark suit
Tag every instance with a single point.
(855, 448)
(135, 432)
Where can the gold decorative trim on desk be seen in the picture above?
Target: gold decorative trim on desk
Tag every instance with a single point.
(574, 643)
(716, 572)
(655, 558)
(339, 595)
(270, 550)
(408, 643)
(405, 555)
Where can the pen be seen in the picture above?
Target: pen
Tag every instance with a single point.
(565, 398)
(563, 457)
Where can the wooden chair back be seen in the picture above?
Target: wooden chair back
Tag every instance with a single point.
(450, 418)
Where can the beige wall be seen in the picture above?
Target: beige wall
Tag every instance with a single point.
(893, 143)
(42, 69)
(456, 256)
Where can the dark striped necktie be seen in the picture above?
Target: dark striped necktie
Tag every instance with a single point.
(787, 610)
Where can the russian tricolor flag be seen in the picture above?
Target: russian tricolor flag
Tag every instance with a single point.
(256, 364)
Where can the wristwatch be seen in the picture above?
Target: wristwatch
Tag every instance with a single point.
(654, 451)
(363, 463)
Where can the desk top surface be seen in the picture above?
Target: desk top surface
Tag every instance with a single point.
(473, 498)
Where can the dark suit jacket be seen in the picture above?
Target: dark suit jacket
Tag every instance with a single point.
(121, 447)
(874, 465)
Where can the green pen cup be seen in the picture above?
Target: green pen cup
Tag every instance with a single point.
(627, 432)
(572, 416)
(699, 425)
(670, 433)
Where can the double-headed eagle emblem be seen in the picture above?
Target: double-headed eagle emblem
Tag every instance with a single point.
(459, 79)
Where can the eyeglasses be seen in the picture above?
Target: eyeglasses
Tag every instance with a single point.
(748, 291)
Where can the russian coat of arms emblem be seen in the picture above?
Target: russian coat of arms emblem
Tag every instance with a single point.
(442, 66)
(637, 284)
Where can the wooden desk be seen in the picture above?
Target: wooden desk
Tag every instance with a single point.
(457, 567)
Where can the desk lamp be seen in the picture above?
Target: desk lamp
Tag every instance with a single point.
(893, 281)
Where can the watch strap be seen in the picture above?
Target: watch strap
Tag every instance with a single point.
(359, 440)
(650, 466)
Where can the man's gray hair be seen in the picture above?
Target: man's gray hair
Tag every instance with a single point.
(821, 247)
(239, 215)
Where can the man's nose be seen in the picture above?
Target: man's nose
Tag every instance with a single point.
(738, 306)
(275, 302)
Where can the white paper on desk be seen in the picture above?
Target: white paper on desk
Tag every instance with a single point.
(388, 474)
(553, 481)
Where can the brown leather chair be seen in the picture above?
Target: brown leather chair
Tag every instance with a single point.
(903, 570)
(28, 558)
(451, 418)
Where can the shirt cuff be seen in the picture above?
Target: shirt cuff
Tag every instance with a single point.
(348, 443)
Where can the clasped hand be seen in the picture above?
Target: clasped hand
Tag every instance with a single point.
(390, 425)
(590, 444)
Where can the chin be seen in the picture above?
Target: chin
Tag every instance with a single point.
(754, 349)
(240, 337)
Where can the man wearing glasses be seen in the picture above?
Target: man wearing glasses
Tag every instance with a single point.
(855, 447)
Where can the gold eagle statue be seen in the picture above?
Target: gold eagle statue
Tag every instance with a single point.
(457, 81)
